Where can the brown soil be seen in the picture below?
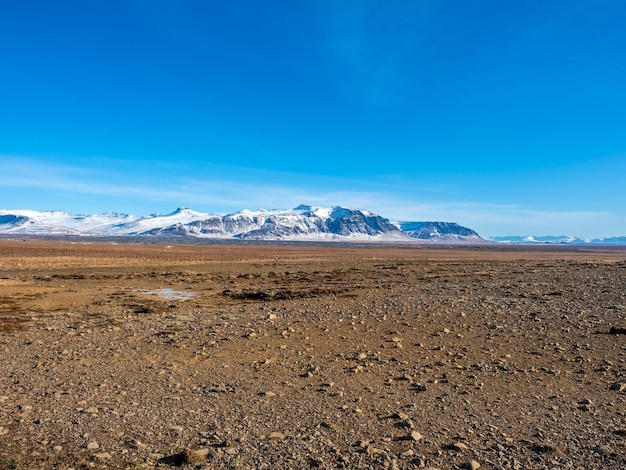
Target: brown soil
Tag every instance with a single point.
(301, 356)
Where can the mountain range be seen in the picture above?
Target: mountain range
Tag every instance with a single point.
(558, 239)
(302, 223)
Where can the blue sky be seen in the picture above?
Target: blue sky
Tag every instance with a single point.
(507, 117)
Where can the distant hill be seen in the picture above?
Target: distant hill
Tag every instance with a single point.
(440, 231)
(559, 239)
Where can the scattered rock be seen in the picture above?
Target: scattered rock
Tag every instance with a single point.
(137, 444)
(79, 358)
(471, 465)
(602, 450)
(617, 330)
(371, 450)
(459, 446)
(195, 455)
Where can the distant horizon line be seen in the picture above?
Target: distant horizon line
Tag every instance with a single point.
(530, 239)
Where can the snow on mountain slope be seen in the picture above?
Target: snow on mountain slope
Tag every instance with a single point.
(558, 239)
(440, 231)
(143, 225)
(58, 222)
(302, 223)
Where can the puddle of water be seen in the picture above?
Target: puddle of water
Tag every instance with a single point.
(171, 294)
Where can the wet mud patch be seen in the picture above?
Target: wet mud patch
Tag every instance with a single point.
(12, 318)
(264, 295)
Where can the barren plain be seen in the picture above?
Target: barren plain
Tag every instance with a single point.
(307, 356)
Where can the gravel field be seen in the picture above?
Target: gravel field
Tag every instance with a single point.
(311, 356)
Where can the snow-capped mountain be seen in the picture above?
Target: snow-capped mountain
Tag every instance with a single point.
(440, 231)
(302, 223)
(29, 222)
(558, 239)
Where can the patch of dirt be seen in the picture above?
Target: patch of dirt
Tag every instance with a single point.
(311, 356)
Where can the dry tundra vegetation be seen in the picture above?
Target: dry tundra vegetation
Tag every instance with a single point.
(311, 356)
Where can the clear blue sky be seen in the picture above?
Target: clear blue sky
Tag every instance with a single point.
(505, 116)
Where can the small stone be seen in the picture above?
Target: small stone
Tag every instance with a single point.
(278, 436)
(93, 445)
(57, 448)
(269, 394)
(3, 431)
(196, 455)
(602, 450)
(272, 316)
(92, 410)
(328, 425)
(459, 446)
(103, 456)
(407, 423)
(415, 436)
(137, 444)
(471, 465)
(316, 463)
(619, 386)
(371, 450)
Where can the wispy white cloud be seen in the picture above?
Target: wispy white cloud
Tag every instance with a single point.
(491, 219)
(223, 188)
(41, 174)
(231, 189)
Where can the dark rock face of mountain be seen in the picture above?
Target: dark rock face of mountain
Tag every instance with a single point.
(345, 221)
(441, 231)
(302, 223)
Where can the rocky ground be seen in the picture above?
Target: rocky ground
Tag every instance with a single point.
(242, 356)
